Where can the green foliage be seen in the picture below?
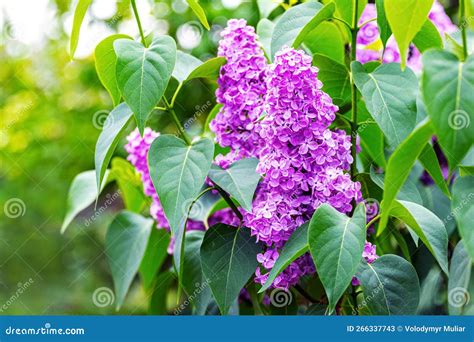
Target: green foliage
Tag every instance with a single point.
(239, 180)
(82, 193)
(452, 109)
(390, 97)
(406, 18)
(392, 285)
(295, 247)
(460, 274)
(228, 257)
(155, 254)
(346, 10)
(428, 37)
(105, 63)
(114, 125)
(178, 172)
(398, 168)
(297, 22)
(143, 73)
(197, 9)
(463, 210)
(335, 77)
(336, 243)
(125, 246)
(79, 15)
(384, 27)
(427, 226)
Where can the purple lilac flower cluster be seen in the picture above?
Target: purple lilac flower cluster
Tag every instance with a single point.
(369, 46)
(302, 161)
(241, 90)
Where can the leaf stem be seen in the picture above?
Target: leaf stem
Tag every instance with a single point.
(305, 294)
(463, 24)
(173, 99)
(254, 299)
(137, 17)
(180, 127)
(229, 202)
(343, 21)
(371, 222)
(366, 22)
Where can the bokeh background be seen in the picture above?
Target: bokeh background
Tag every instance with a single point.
(51, 111)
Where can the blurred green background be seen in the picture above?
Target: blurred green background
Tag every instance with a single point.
(50, 114)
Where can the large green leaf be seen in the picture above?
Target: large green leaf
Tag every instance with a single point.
(130, 184)
(408, 191)
(208, 69)
(265, 29)
(384, 27)
(195, 286)
(125, 245)
(239, 180)
(108, 139)
(323, 14)
(336, 243)
(79, 14)
(399, 166)
(327, 40)
(228, 258)
(447, 86)
(105, 63)
(335, 77)
(406, 17)
(159, 297)
(428, 37)
(460, 271)
(295, 247)
(463, 210)
(155, 254)
(427, 226)
(266, 7)
(197, 9)
(430, 162)
(390, 97)
(345, 10)
(298, 21)
(82, 193)
(392, 285)
(178, 172)
(185, 64)
(143, 73)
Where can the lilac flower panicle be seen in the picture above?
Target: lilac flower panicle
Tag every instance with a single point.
(241, 89)
(302, 162)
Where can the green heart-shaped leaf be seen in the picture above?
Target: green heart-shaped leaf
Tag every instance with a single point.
(406, 17)
(143, 73)
(399, 166)
(392, 285)
(460, 273)
(108, 139)
(463, 210)
(336, 243)
(447, 86)
(390, 97)
(239, 180)
(82, 193)
(295, 247)
(229, 258)
(427, 226)
(105, 64)
(125, 245)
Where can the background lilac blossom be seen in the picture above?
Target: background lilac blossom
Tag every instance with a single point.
(369, 45)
